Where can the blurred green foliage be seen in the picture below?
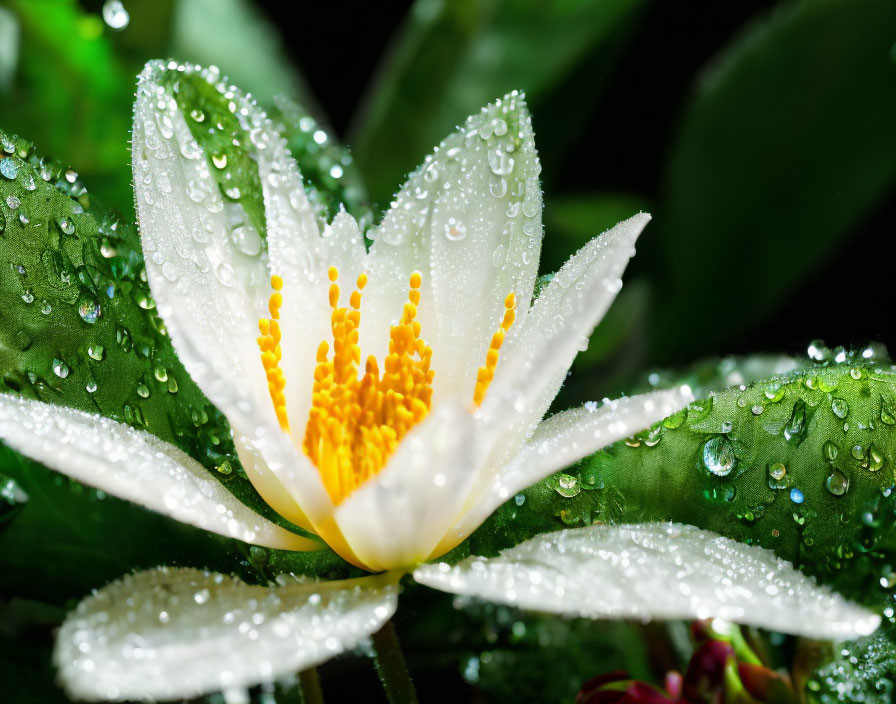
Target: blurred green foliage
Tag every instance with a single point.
(783, 147)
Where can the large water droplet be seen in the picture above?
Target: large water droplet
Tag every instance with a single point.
(567, 485)
(777, 476)
(9, 168)
(840, 407)
(875, 458)
(89, 309)
(500, 163)
(837, 482)
(797, 427)
(60, 368)
(887, 414)
(718, 456)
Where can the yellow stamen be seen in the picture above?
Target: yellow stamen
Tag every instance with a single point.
(487, 372)
(269, 344)
(357, 420)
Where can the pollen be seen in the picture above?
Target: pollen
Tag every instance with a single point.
(357, 420)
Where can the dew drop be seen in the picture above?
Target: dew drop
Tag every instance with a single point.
(9, 168)
(60, 368)
(887, 414)
(777, 476)
(797, 427)
(455, 230)
(89, 310)
(830, 450)
(837, 483)
(247, 240)
(718, 456)
(797, 496)
(567, 486)
(840, 407)
(500, 162)
(774, 392)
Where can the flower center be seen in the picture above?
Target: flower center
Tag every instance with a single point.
(357, 421)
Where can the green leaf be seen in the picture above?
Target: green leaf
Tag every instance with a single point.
(73, 93)
(802, 464)
(452, 58)
(784, 148)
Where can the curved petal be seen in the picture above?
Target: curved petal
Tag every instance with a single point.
(181, 633)
(136, 466)
(209, 293)
(654, 571)
(469, 219)
(534, 363)
(209, 287)
(399, 516)
(563, 439)
(343, 246)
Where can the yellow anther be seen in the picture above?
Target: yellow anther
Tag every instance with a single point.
(487, 373)
(357, 420)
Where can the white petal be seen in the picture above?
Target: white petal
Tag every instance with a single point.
(136, 466)
(535, 362)
(210, 287)
(563, 439)
(470, 221)
(296, 254)
(398, 517)
(209, 293)
(654, 571)
(343, 247)
(181, 633)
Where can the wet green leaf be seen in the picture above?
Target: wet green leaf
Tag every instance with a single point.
(717, 465)
(783, 150)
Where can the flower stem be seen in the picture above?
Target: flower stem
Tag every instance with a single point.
(391, 667)
(309, 687)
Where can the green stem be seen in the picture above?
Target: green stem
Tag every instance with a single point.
(309, 687)
(391, 667)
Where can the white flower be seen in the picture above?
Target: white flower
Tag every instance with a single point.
(392, 401)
